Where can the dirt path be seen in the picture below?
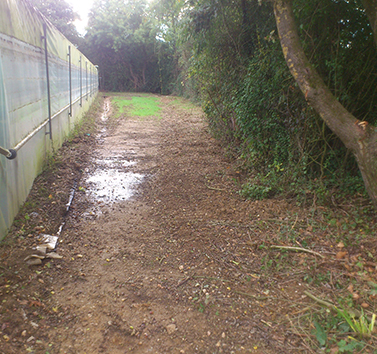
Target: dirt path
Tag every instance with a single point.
(177, 268)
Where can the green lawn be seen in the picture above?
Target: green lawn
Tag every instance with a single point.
(138, 106)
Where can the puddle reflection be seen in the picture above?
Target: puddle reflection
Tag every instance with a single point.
(112, 185)
(112, 181)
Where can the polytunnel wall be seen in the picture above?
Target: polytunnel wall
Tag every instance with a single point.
(46, 85)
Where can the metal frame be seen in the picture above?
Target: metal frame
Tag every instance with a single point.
(41, 126)
(44, 37)
(70, 80)
(86, 77)
(80, 61)
(12, 153)
(90, 81)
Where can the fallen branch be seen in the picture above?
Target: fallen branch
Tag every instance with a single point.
(352, 312)
(320, 301)
(261, 298)
(184, 281)
(215, 189)
(298, 249)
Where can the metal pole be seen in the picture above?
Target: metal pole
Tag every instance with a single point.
(80, 82)
(96, 76)
(70, 81)
(90, 80)
(48, 80)
(86, 77)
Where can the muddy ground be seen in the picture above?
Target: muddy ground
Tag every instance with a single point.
(185, 265)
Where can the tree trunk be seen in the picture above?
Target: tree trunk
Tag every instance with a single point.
(357, 136)
(134, 78)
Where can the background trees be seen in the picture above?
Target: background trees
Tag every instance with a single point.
(62, 16)
(130, 46)
(226, 54)
(119, 39)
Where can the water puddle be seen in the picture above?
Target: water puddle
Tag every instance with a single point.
(115, 161)
(111, 185)
(106, 110)
(104, 117)
(113, 179)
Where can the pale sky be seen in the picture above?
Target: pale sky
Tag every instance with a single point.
(82, 7)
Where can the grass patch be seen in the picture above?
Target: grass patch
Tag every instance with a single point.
(144, 106)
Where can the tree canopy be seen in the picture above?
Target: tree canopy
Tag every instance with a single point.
(62, 16)
(126, 41)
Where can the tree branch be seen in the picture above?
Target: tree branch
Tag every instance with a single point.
(358, 137)
(297, 249)
(316, 92)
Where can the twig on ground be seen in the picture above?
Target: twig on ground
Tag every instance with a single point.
(184, 281)
(295, 223)
(298, 249)
(215, 189)
(302, 310)
(302, 336)
(267, 298)
(266, 323)
(320, 301)
(353, 312)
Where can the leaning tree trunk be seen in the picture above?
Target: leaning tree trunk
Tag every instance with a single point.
(357, 136)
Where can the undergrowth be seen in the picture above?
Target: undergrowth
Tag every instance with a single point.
(306, 191)
(340, 221)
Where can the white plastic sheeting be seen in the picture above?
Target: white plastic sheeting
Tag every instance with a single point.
(24, 103)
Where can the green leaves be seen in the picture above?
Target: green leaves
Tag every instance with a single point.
(320, 334)
(122, 41)
(61, 14)
(124, 38)
(350, 347)
(362, 326)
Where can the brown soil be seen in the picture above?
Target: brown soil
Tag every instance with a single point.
(184, 266)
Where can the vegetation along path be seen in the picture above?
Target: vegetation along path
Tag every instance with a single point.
(167, 257)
